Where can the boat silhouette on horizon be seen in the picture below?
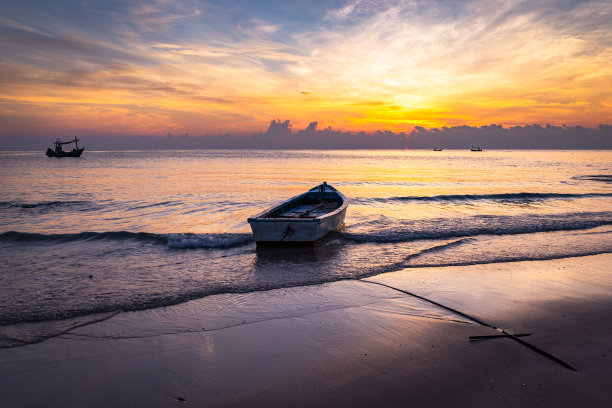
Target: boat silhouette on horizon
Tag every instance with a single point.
(59, 152)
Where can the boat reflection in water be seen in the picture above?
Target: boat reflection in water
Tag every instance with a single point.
(268, 255)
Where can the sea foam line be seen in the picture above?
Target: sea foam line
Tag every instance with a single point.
(175, 240)
(28, 237)
(519, 197)
(180, 241)
(389, 231)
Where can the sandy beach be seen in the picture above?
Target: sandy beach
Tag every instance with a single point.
(347, 343)
(287, 204)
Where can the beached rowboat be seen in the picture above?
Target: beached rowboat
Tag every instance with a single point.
(305, 218)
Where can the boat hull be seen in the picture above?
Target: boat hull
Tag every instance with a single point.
(271, 228)
(72, 153)
(295, 231)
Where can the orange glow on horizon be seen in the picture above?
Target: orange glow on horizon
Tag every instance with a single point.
(390, 71)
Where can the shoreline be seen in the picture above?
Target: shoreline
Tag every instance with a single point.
(345, 343)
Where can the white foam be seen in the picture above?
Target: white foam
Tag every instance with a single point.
(207, 240)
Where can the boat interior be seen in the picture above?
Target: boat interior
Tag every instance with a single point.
(306, 207)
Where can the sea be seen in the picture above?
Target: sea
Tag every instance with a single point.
(82, 239)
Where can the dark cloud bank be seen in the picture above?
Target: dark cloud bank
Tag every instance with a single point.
(281, 136)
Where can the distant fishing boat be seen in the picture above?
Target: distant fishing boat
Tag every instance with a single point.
(59, 152)
(476, 149)
(305, 218)
(437, 149)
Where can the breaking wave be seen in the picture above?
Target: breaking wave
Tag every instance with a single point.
(382, 230)
(504, 197)
(387, 231)
(171, 240)
(26, 237)
(208, 240)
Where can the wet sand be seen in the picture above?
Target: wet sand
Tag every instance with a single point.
(348, 343)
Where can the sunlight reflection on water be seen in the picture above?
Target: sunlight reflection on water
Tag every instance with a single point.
(137, 230)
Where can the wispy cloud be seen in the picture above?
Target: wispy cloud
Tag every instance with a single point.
(8, 23)
(489, 53)
(364, 64)
(342, 13)
(161, 14)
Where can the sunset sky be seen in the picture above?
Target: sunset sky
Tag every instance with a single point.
(210, 67)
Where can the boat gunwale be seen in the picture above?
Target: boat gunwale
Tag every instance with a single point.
(261, 216)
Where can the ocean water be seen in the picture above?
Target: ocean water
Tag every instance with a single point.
(84, 239)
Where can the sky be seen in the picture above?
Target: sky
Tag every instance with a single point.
(132, 68)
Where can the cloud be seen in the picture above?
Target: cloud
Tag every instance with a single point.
(483, 55)
(256, 27)
(282, 135)
(19, 26)
(515, 137)
(160, 14)
(342, 13)
(48, 45)
(365, 64)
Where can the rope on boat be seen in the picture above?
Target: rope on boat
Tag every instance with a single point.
(288, 231)
(503, 332)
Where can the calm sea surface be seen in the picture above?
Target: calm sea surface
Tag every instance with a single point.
(115, 231)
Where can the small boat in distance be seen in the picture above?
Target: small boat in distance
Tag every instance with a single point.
(303, 219)
(59, 152)
(476, 149)
(437, 149)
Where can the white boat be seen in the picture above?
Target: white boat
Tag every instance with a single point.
(305, 218)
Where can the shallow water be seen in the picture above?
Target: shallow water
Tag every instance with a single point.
(82, 239)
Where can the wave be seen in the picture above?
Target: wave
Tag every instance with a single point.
(505, 259)
(27, 237)
(69, 318)
(161, 204)
(502, 197)
(605, 178)
(171, 240)
(45, 320)
(208, 240)
(389, 231)
(68, 310)
(34, 332)
(56, 205)
(43, 204)
(381, 230)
